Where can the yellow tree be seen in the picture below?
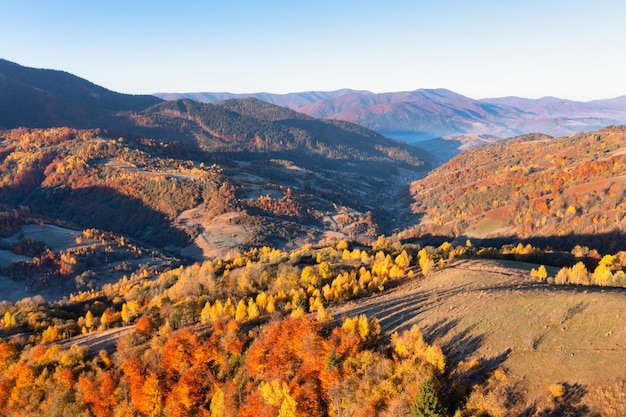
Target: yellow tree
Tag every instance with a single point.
(325, 271)
(277, 394)
(125, 314)
(89, 320)
(271, 304)
(579, 275)
(425, 262)
(323, 315)
(403, 260)
(261, 299)
(205, 314)
(241, 311)
(602, 275)
(539, 273)
(253, 310)
(217, 311)
(229, 309)
(9, 321)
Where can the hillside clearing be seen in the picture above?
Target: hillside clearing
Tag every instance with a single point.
(57, 238)
(218, 236)
(100, 340)
(493, 312)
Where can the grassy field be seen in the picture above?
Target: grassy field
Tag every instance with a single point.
(493, 312)
(57, 238)
(60, 239)
(217, 237)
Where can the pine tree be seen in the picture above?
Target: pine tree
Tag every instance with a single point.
(426, 402)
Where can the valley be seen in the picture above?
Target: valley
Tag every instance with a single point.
(240, 258)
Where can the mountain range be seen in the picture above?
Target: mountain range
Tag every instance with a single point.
(42, 98)
(32, 97)
(260, 159)
(431, 113)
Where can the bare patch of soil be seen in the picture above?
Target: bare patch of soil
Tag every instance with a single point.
(488, 227)
(217, 237)
(120, 164)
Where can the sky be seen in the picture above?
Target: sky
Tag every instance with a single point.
(570, 49)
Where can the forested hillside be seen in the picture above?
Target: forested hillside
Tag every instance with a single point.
(190, 202)
(256, 336)
(193, 179)
(255, 127)
(32, 97)
(562, 192)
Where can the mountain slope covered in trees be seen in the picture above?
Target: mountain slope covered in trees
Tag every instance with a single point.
(568, 190)
(253, 126)
(31, 97)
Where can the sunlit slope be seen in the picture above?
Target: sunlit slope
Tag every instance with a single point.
(568, 190)
(492, 311)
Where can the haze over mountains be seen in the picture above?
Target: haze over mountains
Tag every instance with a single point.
(430, 113)
(32, 97)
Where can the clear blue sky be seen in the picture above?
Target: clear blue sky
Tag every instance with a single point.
(571, 49)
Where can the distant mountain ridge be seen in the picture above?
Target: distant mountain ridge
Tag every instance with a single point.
(292, 101)
(432, 113)
(31, 97)
(42, 98)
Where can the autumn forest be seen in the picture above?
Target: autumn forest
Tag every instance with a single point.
(175, 258)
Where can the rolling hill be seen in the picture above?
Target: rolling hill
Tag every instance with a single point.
(491, 313)
(192, 179)
(255, 127)
(564, 191)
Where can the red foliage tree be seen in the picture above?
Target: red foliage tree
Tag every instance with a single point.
(145, 326)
